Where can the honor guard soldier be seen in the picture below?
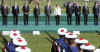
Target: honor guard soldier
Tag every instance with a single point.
(85, 13)
(36, 13)
(87, 47)
(15, 12)
(96, 13)
(11, 46)
(4, 12)
(71, 42)
(77, 14)
(61, 46)
(26, 12)
(69, 13)
(47, 13)
(80, 42)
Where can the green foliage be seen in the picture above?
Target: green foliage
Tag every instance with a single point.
(44, 2)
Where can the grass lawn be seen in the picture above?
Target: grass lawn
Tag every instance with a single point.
(42, 43)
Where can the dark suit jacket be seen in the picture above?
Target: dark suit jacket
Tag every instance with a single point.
(4, 10)
(96, 10)
(47, 10)
(85, 10)
(77, 10)
(73, 7)
(36, 11)
(26, 9)
(15, 11)
(69, 10)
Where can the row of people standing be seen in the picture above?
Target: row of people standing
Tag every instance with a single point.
(70, 9)
(15, 12)
(75, 8)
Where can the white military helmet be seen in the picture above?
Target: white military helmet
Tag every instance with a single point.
(15, 31)
(19, 41)
(14, 35)
(22, 49)
(87, 46)
(81, 41)
(62, 31)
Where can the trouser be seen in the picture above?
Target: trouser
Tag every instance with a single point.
(57, 17)
(77, 19)
(69, 19)
(85, 19)
(36, 20)
(25, 19)
(47, 19)
(5, 19)
(95, 19)
(15, 19)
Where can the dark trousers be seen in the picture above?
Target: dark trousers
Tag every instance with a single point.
(15, 20)
(69, 19)
(47, 19)
(36, 20)
(25, 19)
(77, 19)
(95, 19)
(4, 20)
(85, 19)
(57, 19)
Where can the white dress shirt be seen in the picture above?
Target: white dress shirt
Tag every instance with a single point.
(57, 11)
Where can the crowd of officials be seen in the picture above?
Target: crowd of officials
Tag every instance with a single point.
(71, 8)
(71, 42)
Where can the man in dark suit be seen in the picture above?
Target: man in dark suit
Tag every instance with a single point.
(47, 13)
(15, 12)
(77, 14)
(85, 14)
(69, 13)
(36, 13)
(96, 13)
(4, 12)
(73, 7)
(26, 12)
